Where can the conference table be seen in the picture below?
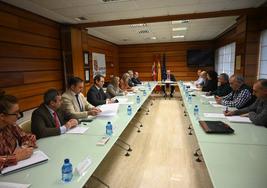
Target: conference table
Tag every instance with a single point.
(78, 147)
(235, 160)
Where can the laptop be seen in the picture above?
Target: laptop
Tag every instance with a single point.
(216, 127)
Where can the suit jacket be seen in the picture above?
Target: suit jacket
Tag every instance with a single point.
(43, 124)
(96, 96)
(130, 83)
(172, 78)
(71, 106)
(136, 81)
(210, 85)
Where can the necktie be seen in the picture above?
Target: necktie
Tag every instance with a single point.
(56, 120)
(80, 106)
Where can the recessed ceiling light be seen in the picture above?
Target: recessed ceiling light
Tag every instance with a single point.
(178, 36)
(179, 28)
(180, 21)
(153, 38)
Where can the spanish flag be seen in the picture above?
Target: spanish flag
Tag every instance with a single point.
(159, 71)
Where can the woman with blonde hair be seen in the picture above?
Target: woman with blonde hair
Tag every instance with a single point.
(113, 88)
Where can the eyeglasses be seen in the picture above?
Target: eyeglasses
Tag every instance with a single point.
(18, 114)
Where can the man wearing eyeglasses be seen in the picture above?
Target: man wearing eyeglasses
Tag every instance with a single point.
(96, 95)
(257, 112)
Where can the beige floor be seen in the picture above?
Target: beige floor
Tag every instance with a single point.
(162, 153)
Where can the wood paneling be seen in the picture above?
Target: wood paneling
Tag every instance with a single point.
(93, 44)
(30, 55)
(140, 58)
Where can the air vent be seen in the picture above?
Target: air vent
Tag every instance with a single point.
(143, 31)
(138, 25)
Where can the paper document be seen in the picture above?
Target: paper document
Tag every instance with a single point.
(214, 115)
(217, 105)
(238, 119)
(130, 94)
(13, 185)
(212, 102)
(207, 97)
(109, 109)
(123, 100)
(83, 166)
(36, 158)
(77, 130)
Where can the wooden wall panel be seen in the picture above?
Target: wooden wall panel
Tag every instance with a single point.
(93, 44)
(30, 55)
(140, 58)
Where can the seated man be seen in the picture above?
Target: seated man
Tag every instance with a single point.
(74, 103)
(96, 95)
(135, 79)
(257, 112)
(130, 82)
(240, 95)
(113, 88)
(223, 86)
(170, 77)
(15, 144)
(48, 119)
(200, 80)
(212, 81)
(204, 77)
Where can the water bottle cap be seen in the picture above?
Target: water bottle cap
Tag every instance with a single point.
(129, 106)
(195, 105)
(109, 122)
(66, 160)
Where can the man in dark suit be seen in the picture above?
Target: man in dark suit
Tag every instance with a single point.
(169, 78)
(130, 81)
(96, 95)
(135, 78)
(48, 119)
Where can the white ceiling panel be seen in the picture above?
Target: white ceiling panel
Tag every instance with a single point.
(65, 11)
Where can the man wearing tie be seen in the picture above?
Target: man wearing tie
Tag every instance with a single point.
(48, 119)
(74, 103)
(96, 95)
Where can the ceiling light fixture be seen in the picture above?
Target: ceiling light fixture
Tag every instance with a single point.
(139, 25)
(153, 38)
(178, 36)
(81, 18)
(179, 29)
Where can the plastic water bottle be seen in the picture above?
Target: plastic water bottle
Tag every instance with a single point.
(186, 93)
(129, 110)
(137, 99)
(149, 86)
(66, 171)
(189, 99)
(109, 130)
(196, 111)
(144, 92)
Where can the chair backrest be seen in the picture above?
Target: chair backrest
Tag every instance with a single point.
(26, 126)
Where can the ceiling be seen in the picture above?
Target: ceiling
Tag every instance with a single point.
(65, 11)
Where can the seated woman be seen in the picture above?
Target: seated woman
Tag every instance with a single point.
(113, 88)
(124, 83)
(212, 82)
(15, 144)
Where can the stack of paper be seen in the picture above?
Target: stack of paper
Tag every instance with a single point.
(83, 166)
(77, 130)
(214, 115)
(36, 158)
(207, 97)
(238, 119)
(109, 109)
(13, 185)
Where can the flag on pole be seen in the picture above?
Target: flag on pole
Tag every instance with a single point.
(154, 71)
(159, 71)
(163, 70)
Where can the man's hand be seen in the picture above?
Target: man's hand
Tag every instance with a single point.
(245, 115)
(71, 123)
(218, 100)
(94, 111)
(23, 153)
(229, 113)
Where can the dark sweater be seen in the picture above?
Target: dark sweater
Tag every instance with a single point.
(222, 90)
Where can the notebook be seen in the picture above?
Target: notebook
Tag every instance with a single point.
(217, 127)
(36, 158)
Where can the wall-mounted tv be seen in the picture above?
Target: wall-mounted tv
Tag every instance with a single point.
(200, 57)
